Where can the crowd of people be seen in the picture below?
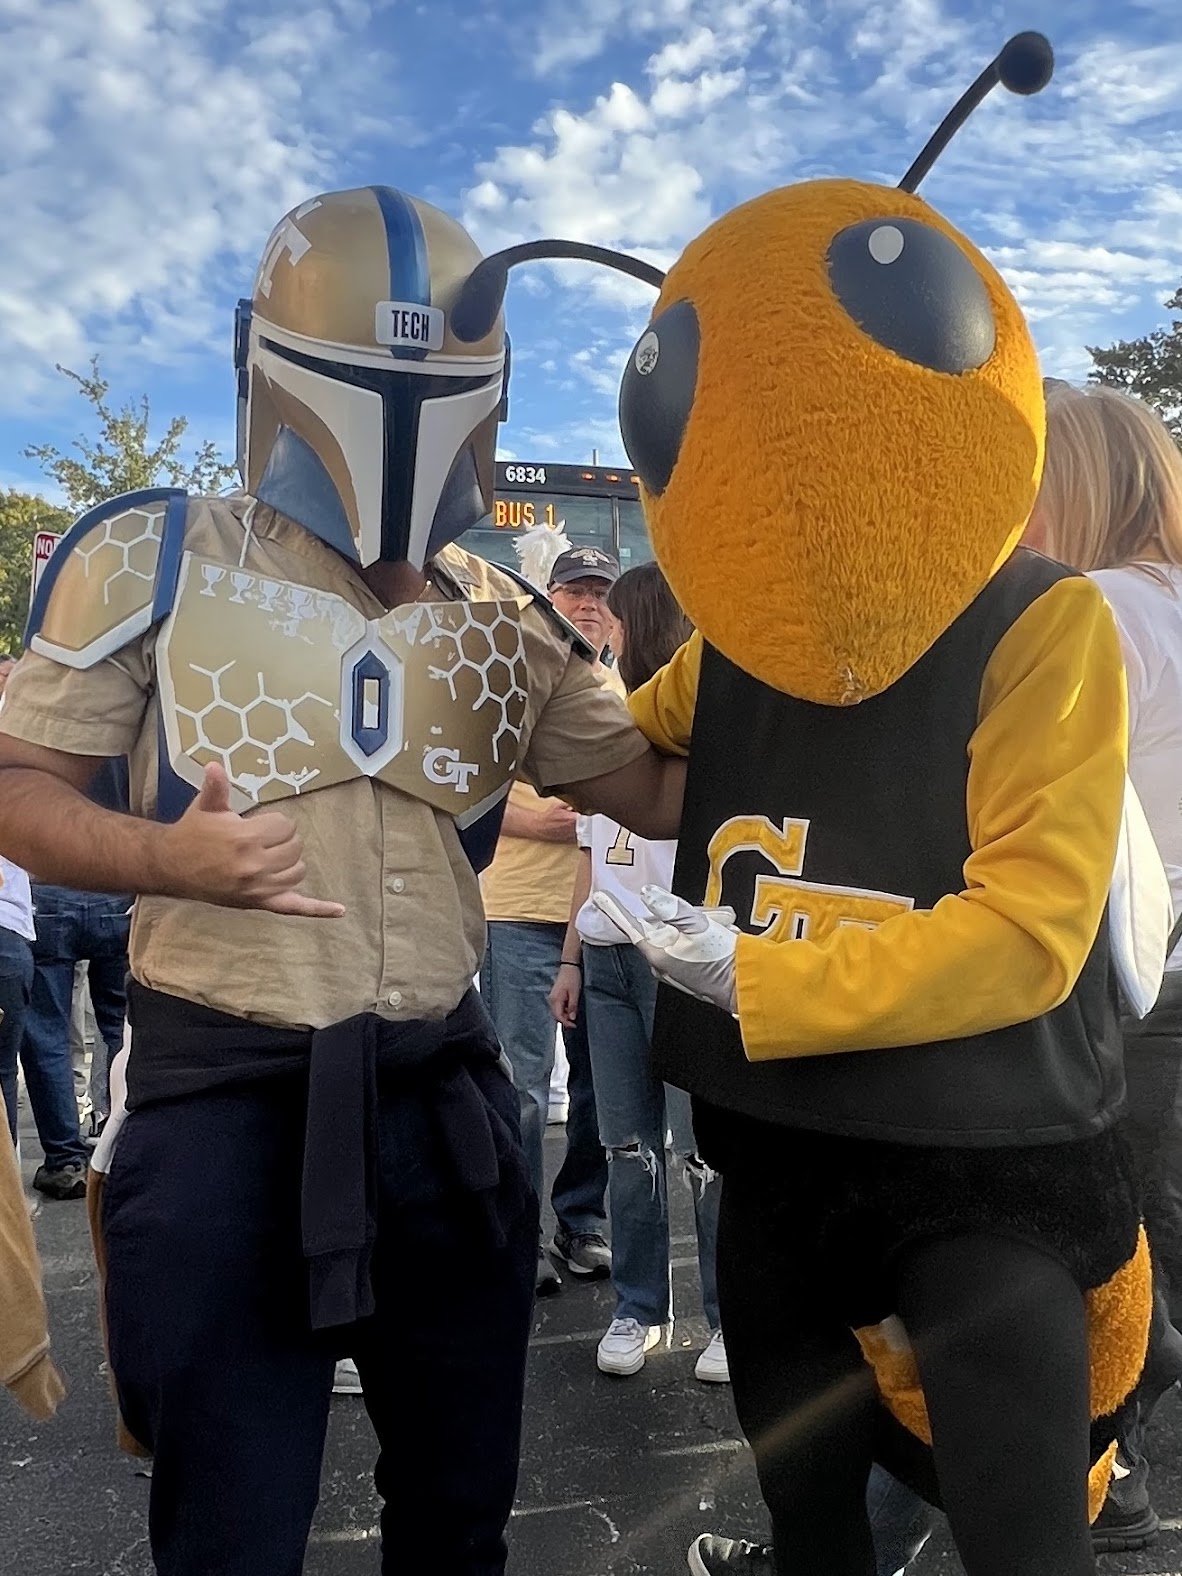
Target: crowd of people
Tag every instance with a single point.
(844, 871)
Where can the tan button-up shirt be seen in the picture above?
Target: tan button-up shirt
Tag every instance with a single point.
(413, 933)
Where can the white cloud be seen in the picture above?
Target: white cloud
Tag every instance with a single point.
(190, 131)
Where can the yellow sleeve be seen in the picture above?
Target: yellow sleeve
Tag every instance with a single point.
(1045, 790)
(663, 709)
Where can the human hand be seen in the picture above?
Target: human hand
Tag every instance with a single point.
(556, 823)
(565, 993)
(214, 855)
(692, 949)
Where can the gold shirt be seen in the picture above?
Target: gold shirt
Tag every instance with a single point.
(413, 933)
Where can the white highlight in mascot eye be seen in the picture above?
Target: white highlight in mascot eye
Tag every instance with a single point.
(647, 352)
(886, 243)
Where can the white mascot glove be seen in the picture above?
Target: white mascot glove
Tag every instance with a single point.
(692, 949)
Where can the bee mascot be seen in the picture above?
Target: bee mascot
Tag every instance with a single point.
(906, 748)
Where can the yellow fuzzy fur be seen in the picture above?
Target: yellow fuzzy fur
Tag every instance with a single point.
(1118, 1335)
(862, 501)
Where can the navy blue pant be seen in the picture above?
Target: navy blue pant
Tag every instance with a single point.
(16, 981)
(220, 1375)
(72, 927)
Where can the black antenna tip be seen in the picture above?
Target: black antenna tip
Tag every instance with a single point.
(1026, 63)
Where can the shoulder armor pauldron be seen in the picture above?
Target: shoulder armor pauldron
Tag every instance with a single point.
(111, 577)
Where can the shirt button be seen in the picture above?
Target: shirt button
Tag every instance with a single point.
(397, 885)
(395, 998)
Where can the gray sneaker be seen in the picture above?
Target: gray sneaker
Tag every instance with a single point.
(68, 1181)
(711, 1555)
(584, 1253)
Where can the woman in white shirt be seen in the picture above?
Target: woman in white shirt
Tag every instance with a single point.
(1111, 505)
(636, 1110)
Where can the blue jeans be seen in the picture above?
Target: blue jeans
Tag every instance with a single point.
(900, 1521)
(636, 1111)
(72, 927)
(16, 981)
(515, 980)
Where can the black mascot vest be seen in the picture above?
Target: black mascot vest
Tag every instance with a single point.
(880, 788)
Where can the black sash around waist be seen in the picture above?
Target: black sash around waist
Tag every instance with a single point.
(182, 1049)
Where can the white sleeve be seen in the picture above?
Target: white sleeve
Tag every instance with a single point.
(1140, 910)
(583, 831)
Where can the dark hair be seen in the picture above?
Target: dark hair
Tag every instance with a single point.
(654, 625)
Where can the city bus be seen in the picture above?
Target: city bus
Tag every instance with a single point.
(595, 505)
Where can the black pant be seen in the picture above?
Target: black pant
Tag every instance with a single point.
(1153, 1126)
(218, 1371)
(999, 1332)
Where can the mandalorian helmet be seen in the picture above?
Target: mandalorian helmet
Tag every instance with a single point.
(360, 415)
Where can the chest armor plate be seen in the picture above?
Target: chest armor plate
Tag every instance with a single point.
(292, 689)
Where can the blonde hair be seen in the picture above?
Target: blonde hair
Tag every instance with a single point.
(1112, 483)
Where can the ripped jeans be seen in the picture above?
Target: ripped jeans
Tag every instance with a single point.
(636, 1112)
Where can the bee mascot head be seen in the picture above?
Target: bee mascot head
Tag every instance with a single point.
(851, 365)
(863, 373)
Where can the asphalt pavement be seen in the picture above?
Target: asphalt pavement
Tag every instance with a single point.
(617, 1479)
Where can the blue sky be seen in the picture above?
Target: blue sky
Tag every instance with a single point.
(150, 145)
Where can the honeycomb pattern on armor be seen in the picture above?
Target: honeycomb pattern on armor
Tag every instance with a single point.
(482, 664)
(128, 545)
(247, 733)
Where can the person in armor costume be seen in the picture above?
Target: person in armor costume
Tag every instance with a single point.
(906, 744)
(323, 700)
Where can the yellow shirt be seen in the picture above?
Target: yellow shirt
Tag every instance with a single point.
(413, 932)
(529, 880)
(1043, 809)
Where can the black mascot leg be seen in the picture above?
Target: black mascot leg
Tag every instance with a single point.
(805, 1398)
(1000, 1337)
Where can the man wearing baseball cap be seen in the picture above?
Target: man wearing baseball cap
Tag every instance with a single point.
(527, 894)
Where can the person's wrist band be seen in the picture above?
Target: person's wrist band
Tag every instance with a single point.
(568, 963)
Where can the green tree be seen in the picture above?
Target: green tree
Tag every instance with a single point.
(1149, 367)
(121, 457)
(22, 515)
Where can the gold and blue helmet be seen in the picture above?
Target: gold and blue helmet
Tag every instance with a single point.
(361, 415)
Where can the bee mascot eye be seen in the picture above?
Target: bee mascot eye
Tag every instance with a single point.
(657, 393)
(913, 291)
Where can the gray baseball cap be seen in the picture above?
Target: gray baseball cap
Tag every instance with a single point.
(585, 563)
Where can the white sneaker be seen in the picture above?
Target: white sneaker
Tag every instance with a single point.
(712, 1366)
(347, 1380)
(623, 1348)
(559, 1110)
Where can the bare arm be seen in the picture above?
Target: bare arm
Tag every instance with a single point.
(572, 947)
(50, 828)
(211, 855)
(567, 990)
(553, 824)
(645, 796)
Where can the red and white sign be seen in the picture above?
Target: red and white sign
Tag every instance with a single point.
(43, 545)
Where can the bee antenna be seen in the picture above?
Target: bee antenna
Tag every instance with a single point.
(1024, 65)
(479, 302)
